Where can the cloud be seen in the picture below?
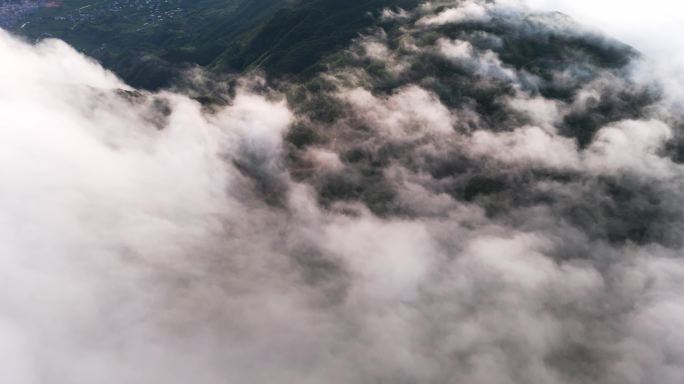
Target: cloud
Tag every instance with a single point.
(531, 145)
(645, 26)
(632, 146)
(627, 147)
(653, 29)
(503, 208)
(405, 113)
(485, 63)
(546, 205)
(466, 11)
(104, 209)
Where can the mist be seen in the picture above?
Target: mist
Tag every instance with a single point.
(472, 192)
(654, 28)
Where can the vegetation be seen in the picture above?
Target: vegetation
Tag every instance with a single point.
(148, 42)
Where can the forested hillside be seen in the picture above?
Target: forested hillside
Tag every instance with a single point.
(148, 42)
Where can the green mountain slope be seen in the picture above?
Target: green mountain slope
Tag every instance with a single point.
(148, 42)
(297, 36)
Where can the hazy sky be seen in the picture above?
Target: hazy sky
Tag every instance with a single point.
(655, 27)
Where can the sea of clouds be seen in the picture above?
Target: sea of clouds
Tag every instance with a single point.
(458, 219)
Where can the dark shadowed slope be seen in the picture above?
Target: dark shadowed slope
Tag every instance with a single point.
(148, 42)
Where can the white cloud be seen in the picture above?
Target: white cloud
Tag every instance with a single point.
(101, 209)
(543, 111)
(626, 147)
(456, 49)
(466, 11)
(655, 28)
(527, 146)
(485, 63)
(134, 250)
(411, 112)
(392, 269)
(631, 146)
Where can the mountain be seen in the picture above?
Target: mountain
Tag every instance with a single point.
(450, 191)
(149, 42)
